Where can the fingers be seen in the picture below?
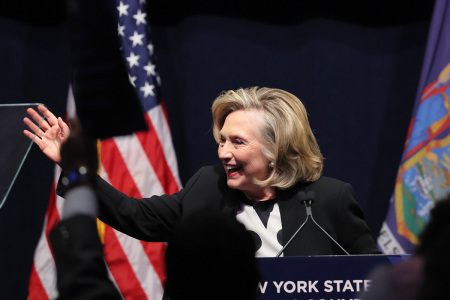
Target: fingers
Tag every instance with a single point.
(30, 135)
(52, 120)
(64, 128)
(33, 137)
(33, 127)
(38, 119)
(47, 124)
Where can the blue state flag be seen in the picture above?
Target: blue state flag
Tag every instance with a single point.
(424, 174)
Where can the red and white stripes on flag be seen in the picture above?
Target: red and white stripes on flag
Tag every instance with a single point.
(141, 164)
(42, 284)
(43, 273)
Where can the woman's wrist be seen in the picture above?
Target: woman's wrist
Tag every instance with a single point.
(75, 177)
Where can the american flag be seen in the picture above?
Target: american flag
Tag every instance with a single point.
(140, 165)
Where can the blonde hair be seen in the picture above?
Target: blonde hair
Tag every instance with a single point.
(285, 133)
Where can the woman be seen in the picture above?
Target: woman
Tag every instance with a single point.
(269, 156)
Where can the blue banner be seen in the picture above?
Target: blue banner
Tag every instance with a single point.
(424, 174)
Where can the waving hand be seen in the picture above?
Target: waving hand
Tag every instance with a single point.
(52, 134)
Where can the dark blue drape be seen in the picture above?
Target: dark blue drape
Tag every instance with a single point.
(354, 65)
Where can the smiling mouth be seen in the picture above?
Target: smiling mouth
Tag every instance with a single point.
(231, 170)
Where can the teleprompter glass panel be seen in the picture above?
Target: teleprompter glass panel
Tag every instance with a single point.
(14, 145)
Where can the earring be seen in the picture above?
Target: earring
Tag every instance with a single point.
(271, 165)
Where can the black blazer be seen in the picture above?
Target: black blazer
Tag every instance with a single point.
(334, 208)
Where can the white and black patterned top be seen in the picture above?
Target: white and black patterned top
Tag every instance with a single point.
(263, 220)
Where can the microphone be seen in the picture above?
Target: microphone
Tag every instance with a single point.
(307, 199)
(307, 202)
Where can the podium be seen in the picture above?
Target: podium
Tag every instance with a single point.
(319, 277)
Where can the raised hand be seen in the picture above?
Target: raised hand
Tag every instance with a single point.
(52, 134)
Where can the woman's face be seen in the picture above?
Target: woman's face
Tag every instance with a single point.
(241, 151)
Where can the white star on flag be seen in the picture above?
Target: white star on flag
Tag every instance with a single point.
(133, 60)
(132, 79)
(150, 68)
(148, 89)
(123, 9)
(136, 38)
(120, 30)
(140, 17)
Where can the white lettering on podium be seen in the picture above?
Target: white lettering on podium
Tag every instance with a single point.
(328, 286)
(301, 286)
(278, 286)
(348, 287)
(345, 286)
(312, 286)
(367, 284)
(298, 287)
(358, 283)
(289, 287)
(262, 287)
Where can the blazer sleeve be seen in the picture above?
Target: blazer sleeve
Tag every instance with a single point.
(353, 232)
(149, 219)
(81, 270)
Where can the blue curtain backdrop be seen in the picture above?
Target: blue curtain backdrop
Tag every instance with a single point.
(355, 66)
